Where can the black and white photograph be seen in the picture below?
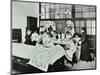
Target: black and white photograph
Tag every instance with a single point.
(52, 37)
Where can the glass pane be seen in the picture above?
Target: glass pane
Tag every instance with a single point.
(47, 8)
(46, 4)
(41, 23)
(88, 24)
(63, 15)
(78, 8)
(92, 8)
(89, 31)
(63, 6)
(68, 14)
(85, 14)
(80, 30)
(85, 8)
(78, 15)
(93, 23)
(43, 4)
(93, 31)
(82, 24)
(77, 23)
(51, 6)
(52, 10)
(47, 15)
(57, 6)
(92, 14)
(68, 6)
(77, 30)
(68, 9)
(62, 10)
(43, 16)
(57, 10)
(52, 15)
(42, 9)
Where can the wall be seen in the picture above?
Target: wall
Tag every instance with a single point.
(20, 11)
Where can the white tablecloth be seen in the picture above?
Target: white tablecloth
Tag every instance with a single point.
(39, 56)
(23, 50)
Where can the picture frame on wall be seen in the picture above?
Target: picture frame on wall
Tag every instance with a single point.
(52, 37)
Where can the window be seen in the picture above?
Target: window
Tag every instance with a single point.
(84, 15)
(55, 11)
(84, 11)
(89, 24)
(91, 27)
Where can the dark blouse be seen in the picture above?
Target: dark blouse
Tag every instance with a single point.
(84, 37)
(28, 39)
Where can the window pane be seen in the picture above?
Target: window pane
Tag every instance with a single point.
(85, 14)
(85, 8)
(78, 8)
(93, 23)
(63, 15)
(89, 31)
(88, 24)
(47, 8)
(57, 9)
(47, 15)
(57, 15)
(43, 16)
(82, 24)
(43, 4)
(62, 6)
(92, 8)
(51, 6)
(51, 9)
(77, 23)
(62, 10)
(42, 9)
(68, 14)
(93, 31)
(78, 15)
(68, 6)
(52, 15)
(92, 14)
(77, 30)
(57, 5)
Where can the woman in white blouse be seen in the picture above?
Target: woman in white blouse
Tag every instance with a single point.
(69, 29)
(34, 37)
(46, 39)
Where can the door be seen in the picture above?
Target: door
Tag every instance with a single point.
(31, 23)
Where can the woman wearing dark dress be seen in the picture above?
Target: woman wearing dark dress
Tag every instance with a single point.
(28, 37)
(84, 46)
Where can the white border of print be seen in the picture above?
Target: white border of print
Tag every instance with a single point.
(5, 24)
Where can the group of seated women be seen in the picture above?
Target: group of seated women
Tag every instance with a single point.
(75, 45)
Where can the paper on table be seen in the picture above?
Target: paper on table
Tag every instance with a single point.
(46, 56)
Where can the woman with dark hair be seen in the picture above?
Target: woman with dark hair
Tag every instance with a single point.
(34, 38)
(84, 46)
(77, 38)
(28, 37)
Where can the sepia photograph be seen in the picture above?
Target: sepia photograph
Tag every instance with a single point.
(52, 37)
